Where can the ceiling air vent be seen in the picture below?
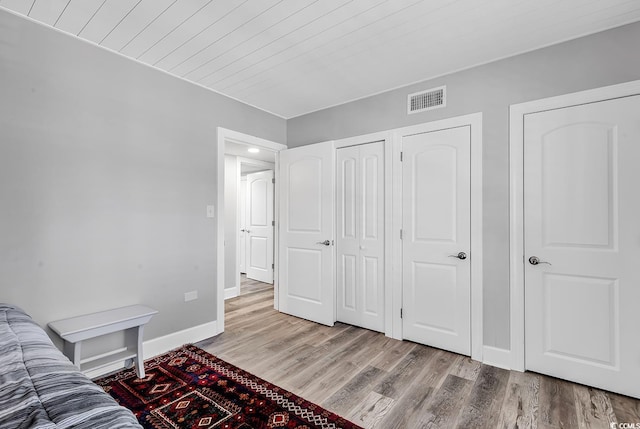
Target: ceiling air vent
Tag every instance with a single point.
(430, 99)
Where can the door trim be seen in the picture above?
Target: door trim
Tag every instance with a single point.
(517, 113)
(224, 135)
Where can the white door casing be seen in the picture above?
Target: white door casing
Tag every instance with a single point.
(581, 211)
(360, 235)
(436, 226)
(259, 226)
(306, 265)
(225, 135)
(242, 215)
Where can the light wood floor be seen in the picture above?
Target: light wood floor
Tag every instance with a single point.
(379, 382)
(248, 286)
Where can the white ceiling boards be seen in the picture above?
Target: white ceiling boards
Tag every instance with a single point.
(292, 57)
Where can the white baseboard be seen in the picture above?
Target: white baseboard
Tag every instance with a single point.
(103, 370)
(157, 346)
(494, 356)
(160, 345)
(231, 293)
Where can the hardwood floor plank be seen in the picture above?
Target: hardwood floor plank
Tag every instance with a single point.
(355, 390)
(556, 404)
(371, 411)
(308, 356)
(241, 338)
(323, 334)
(379, 382)
(485, 400)
(446, 405)
(257, 346)
(249, 286)
(246, 299)
(411, 410)
(393, 351)
(626, 409)
(520, 407)
(333, 372)
(303, 371)
(466, 368)
(401, 375)
(593, 407)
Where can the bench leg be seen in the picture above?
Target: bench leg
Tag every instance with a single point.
(134, 341)
(73, 351)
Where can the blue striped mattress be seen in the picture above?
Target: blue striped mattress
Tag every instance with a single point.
(41, 388)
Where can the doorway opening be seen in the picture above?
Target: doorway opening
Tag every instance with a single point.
(245, 155)
(249, 218)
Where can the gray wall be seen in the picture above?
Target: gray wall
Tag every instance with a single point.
(106, 167)
(231, 229)
(602, 59)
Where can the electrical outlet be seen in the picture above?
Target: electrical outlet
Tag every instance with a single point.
(211, 212)
(190, 296)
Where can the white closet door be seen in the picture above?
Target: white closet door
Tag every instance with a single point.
(306, 258)
(582, 243)
(259, 225)
(436, 222)
(360, 235)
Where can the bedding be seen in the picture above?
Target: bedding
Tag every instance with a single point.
(40, 388)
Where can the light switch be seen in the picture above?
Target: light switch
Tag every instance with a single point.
(211, 212)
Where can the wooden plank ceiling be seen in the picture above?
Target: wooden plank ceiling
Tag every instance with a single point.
(291, 57)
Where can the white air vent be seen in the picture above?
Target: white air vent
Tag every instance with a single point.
(430, 99)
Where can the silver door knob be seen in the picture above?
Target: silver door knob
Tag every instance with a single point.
(242, 230)
(325, 242)
(247, 231)
(461, 256)
(534, 260)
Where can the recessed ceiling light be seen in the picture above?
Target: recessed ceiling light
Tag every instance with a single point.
(253, 150)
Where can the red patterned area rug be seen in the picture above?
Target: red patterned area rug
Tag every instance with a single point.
(190, 388)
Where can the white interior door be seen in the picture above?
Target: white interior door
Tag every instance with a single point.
(259, 226)
(242, 215)
(582, 222)
(360, 235)
(436, 242)
(306, 254)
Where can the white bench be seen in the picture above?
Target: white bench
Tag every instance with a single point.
(130, 319)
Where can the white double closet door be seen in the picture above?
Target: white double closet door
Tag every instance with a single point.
(360, 235)
(582, 243)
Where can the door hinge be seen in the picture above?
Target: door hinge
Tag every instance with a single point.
(273, 266)
(400, 234)
(401, 313)
(273, 223)
(401, 156)
(273, 180)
